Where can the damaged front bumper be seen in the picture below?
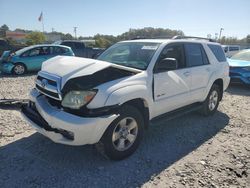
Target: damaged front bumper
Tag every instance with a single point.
(7, 67)
(62, 127)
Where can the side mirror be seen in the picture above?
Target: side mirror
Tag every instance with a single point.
(166, 64)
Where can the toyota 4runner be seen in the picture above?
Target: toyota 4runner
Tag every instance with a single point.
(110, 101)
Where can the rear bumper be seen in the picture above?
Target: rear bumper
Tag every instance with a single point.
(62, 127)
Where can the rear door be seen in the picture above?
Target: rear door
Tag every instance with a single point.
(171, 88)
(199, 68)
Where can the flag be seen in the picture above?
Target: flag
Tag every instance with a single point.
(40, 17)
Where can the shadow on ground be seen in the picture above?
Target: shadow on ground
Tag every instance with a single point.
(3, 75)
(238, 89)
(35, 161)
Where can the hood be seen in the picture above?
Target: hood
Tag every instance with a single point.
(68, 67)
(238, 63)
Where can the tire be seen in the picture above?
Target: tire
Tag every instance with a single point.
(123, 135)
(19, 69)
(211, 103)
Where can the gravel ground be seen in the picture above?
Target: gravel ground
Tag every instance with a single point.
(191, 151)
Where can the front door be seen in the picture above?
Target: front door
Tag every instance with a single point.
(171, 88)
(36, 56)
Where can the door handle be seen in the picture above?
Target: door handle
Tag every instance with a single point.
(186, 73)
(208, 69)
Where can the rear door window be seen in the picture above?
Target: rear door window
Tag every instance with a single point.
(218, 52)
(195, 55)
(45, 50)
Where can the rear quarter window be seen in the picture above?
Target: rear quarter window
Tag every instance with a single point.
(218, 52)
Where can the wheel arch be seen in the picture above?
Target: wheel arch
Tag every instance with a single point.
(18, 63)
(142, 106)
(219, 82)
(135, 95)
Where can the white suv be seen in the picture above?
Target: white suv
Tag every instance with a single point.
(111, 100)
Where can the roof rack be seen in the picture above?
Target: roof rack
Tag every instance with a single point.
(156, 37)
(190, 37)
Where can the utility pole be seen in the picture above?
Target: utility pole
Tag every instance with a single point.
(221, 29)
(216, 36)
(52, 29)
(75, 31)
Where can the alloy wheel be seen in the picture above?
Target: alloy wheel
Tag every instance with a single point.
(125, 134)
(19, 69)
(213, 100)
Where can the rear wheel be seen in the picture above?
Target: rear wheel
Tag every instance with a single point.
(19, 69)
(123, 135)
(211, 103)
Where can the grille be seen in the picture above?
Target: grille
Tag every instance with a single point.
(49, 85)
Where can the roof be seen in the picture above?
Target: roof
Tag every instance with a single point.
(70, 41)
(41, 45)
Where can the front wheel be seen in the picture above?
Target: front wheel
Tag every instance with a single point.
(19, 69)
(211, 103)
(123, 135)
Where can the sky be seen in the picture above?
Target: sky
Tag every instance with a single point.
(114, 17)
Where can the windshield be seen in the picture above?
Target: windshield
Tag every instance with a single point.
(130, 54)
(243, 55)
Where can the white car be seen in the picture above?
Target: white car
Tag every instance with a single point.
(110, 101)
(230, 50)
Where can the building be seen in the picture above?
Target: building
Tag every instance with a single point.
(52, 37)
(19, 37)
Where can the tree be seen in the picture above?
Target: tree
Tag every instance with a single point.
(67, 37)
(149, 32)
(248, 39)
(3, 30)
(35, 38)
(104, 41)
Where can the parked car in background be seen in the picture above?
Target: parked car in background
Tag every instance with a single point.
(240, 67)
(230, 50)
(31, 58)
(79, 48)
(5, 45)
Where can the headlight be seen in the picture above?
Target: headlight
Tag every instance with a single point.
(77, 99)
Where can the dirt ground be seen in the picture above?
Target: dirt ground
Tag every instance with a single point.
(191, 151)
